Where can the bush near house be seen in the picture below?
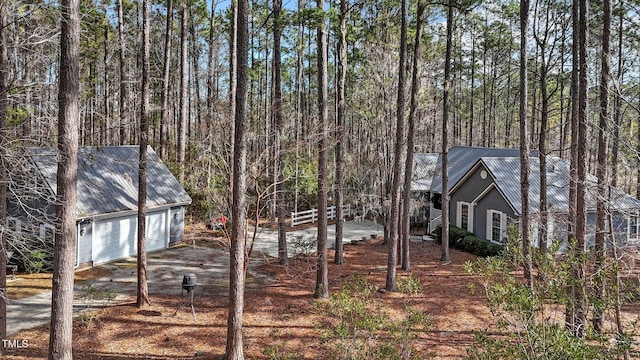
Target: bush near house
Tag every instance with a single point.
(462, 239)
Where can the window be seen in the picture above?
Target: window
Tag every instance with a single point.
(633, 230)
(496, 226)
(464, 216)
(436, 199)
(47, 234)
(14, 224)
(14, 227)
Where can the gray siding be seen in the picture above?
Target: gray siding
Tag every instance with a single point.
(467, 191)
(492, 201)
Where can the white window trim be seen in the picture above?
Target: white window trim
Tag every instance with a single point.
(633, 237)
(43, 231)
(16, 221)
(503, 226)
(469, 215)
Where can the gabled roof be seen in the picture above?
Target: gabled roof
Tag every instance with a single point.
(108, 179)
(424, 170)
(506, 175)
(461, 158)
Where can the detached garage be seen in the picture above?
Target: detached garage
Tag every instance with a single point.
(108, 199)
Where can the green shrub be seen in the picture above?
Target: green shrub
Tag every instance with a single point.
(35, 262)
(455, 234)
(472, 244)
(531, 325)
(357, 326)
(409, 285)
(278, 352)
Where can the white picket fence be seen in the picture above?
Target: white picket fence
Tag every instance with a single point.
(311, 216)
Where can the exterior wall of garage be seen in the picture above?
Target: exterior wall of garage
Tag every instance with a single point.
(109, 239)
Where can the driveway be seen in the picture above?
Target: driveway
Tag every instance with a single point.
(166, 268)
(302, 241)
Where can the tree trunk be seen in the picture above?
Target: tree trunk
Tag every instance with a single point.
(408, 176)
(444, 198)
(212, 94)
(105, 125)
(615, 146)
(142, 297)
(4, 68)
(124, 95)
(581, 207)
(233, 83)
(398, 155)
(322, 271)
(570, 315)
(184, 91)
(164, 115)
(283, 256)
(234, 349)
(340, 123)
(473, 87)
(601, 170)
(524, 144)
(542, 148)
(61, 328)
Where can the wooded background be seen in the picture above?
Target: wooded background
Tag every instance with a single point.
(191, 111)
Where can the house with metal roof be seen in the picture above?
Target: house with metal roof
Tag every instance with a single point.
(487, 199)
(459, 160)
(106, 204)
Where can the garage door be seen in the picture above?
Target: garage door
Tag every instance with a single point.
(156, 231)
(114, 239)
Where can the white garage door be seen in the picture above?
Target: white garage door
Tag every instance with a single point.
(114, 239)
(156, 231)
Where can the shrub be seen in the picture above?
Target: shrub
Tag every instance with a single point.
(357, 326)
(35, 263)
(455, 234)
(478, 246)
(533, 329)
(409, 285)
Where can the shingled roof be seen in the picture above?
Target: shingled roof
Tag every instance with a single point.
(108, 179)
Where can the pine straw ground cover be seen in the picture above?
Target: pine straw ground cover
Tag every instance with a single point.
(279, 320)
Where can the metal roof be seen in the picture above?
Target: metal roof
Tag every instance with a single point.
(506, 175)
(461, 158)
(424, 170)
(108, 179)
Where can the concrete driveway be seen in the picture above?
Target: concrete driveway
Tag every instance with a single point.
(301, 241)
(166, 268)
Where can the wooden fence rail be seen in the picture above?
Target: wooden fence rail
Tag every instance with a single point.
(311, 216)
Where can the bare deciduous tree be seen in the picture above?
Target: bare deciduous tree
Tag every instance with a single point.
(4, 67)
